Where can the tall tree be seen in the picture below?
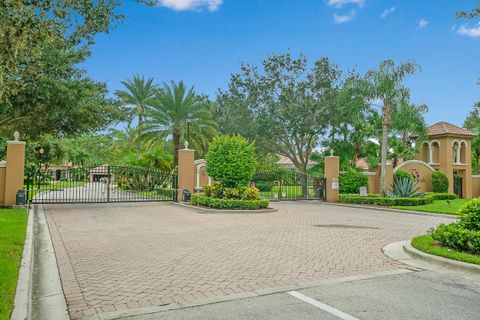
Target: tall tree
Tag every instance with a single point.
(177, 109)
(139, 94)
(41, 45)
(387, 86)
(285, 103)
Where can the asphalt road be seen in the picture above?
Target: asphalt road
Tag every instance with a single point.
(435, 295)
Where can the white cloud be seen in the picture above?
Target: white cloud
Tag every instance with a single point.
(337, 18)
(387, 12)
(341, 3)
(181, 5)
(469, 32)
(422, 24)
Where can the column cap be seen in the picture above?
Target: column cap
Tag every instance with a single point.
(16, 142)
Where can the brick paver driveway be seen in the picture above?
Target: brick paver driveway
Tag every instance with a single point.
(126, 256)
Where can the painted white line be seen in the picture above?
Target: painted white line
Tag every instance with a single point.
(324, 307)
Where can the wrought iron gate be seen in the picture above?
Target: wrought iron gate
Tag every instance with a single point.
(283, 184)
(101, 184)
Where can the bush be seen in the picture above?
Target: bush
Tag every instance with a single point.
(383, 201)
(218, 192)
(351, 181)
(456, 237)
(441, 196)
(202, 200)
(403, 174)
(264, 187)
(469, 215)
(231, 161)
(439, 182)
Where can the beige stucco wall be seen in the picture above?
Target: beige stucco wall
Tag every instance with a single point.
(14, 173)
(332, 172)
(422, 173)
(2, 184)
(476, 186)
(186, 171)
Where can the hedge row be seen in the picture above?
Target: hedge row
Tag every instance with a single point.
(383, 201)
(441, 196)
(200, 199)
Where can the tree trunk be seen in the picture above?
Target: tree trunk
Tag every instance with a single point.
(176, 145)
(386, 120)
(304, 181)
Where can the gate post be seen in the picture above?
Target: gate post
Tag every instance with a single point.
(332, 172)
(186, 171)
(14, 171)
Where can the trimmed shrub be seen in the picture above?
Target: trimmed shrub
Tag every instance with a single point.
(439, 182)
(383, 201)
(231, 161)
(351, 181)
(264, 187)
(469, 215)
(201, 199)
(441, 196)
(403, 174)
(456, 237)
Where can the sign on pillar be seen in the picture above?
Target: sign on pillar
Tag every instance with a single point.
(332, 174)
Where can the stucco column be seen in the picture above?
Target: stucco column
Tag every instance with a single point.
(430, 154)
(15, 170)
(332, 172)
(186, 171)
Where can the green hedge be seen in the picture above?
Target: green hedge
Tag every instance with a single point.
(202, 200)
(350, 182)
(439, 182)
(441, 196)
(383, 201)
(457, 237)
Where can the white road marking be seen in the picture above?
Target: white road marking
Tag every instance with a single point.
(324, 307)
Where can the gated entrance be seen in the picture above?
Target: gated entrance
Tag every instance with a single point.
(283, 184)
(105, 183)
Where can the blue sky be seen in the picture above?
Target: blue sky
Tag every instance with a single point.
(203, 41)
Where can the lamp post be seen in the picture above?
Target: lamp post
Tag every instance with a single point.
(188, 133)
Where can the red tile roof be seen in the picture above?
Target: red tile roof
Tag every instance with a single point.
(445, 128)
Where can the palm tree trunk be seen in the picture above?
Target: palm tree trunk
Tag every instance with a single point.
(386, 120)
(176, 145)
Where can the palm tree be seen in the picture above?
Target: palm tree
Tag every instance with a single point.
(175, 108)
(386, 85)
(138, 96)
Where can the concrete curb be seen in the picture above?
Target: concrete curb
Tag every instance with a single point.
(49, 301)
(222, 211)
(453, 264)
(417, 213)
(24, 292)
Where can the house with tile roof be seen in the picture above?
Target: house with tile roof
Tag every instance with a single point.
(448, 149)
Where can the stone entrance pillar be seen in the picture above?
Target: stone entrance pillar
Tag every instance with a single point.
(332, 173)
(14, 171)
(186, 171)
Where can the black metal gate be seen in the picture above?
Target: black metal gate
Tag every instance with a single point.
(283, 184)
(101, 184)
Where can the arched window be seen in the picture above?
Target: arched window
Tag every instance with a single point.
(463, 151)
(435, 152)
(425, 152)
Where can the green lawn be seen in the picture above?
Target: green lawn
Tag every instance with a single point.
(437, 206)
(425, 244)
(13, 224)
